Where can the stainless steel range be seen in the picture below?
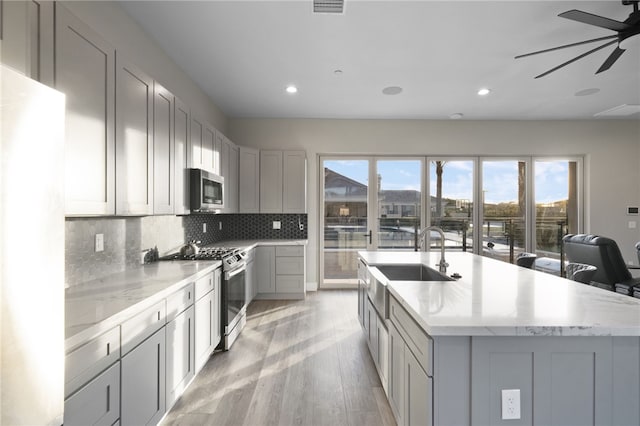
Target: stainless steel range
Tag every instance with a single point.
(233, 300)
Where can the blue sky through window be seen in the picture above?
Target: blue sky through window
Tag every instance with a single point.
(500, 178)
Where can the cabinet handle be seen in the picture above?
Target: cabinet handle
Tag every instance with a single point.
(189, 346)
(189, 295)
(158, 315)
(108, 398)
(108, 350)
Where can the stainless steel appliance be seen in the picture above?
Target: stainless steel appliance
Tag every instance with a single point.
(206, 191)
(233, 296)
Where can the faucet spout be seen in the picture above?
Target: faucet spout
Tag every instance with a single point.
(423, 242)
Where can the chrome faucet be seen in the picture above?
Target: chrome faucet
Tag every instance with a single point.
(422, 243)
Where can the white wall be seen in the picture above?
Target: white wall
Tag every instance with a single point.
(109, 20)
(611, 149)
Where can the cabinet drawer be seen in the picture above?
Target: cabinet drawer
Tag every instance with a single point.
(417, 340)
(204, 285)
(289, 265)
(97, 403)
(179, 301)
(84, 363)
(289, 283)
(143, 325)
(289, 251)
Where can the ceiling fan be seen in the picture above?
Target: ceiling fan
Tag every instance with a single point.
(625, 30)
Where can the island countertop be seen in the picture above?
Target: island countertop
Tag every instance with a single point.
(494, 298)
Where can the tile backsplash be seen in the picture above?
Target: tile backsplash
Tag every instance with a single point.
(125, 238)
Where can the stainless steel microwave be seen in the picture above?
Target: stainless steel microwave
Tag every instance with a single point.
(207, 191)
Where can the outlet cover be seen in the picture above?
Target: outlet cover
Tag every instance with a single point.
(99, 242)
(204, 228)
(510, 404)
(276, 224)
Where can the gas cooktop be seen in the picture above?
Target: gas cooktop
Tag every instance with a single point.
(228, 255)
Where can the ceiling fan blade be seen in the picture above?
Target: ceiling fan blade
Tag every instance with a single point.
(567, 45)
(610, 60)
(596, 20)
(576, 58)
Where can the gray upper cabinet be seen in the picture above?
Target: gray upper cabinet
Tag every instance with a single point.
(249, 180)
(197, 141)
(229, 170)
(134, 140)
(294, 183)
(163, 151)
(283, 181)
(84, 71)
(181, 150)
(270, 181)
(27, 33)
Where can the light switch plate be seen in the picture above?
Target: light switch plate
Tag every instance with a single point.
(632, 224)
(204, 228)
(510, 404)
(276, 224)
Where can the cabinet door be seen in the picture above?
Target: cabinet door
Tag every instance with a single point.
(232, 185)
(84, 71)
(270, 181)
(27, 38)
(249, 181)
(143, 382)
(250, 280)
(97, 403)
(197, 143)
(204, 312)
(372, 331)
(419, 393)
(134, 140)
(294, 183)
(383, 354)
(180, 354)
(163, 151)
(396, 386)
(208, 146)
(181, 147)
(266, 269)
(217, 151)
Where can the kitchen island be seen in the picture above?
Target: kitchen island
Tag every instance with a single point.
(571, 350)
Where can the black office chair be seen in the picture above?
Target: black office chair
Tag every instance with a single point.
(526, 260)
(604, 254)
(580, 272)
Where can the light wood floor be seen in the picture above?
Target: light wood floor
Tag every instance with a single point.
(296, 363)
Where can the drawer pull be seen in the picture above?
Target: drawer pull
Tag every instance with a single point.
(108, 348)
(108, 398)
(158, 315)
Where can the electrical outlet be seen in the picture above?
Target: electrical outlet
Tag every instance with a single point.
(510, 404)
(301, 226)
(99, 242)
(204, 228)
(632, 224)
(276, 224)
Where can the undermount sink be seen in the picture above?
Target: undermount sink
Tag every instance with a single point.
(412, 273)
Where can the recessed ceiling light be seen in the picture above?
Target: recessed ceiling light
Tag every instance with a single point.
(337, 72)
(291, 89)
(484, 92)
(587, 92)
(456, 116)
(392, 90)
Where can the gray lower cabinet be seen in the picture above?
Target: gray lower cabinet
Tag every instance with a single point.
(97, 403)
(207, 316)
(143, 382)
(180, 342)
(280, 272)
(252, 286)
(410, 390)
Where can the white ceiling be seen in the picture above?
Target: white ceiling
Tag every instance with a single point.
(244, 54)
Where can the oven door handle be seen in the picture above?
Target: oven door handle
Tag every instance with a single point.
(235, 272)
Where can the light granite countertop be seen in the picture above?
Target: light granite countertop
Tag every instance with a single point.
(496, 298)
(96, 306)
